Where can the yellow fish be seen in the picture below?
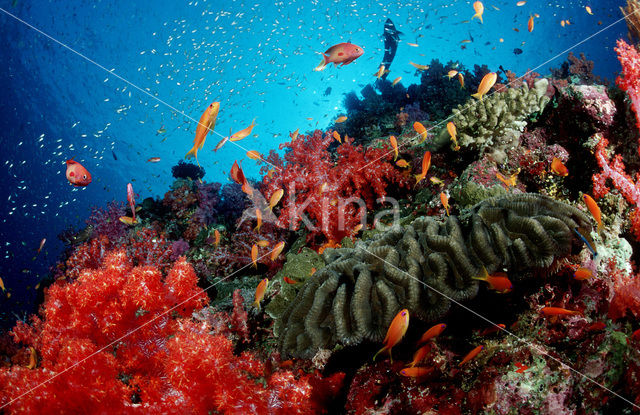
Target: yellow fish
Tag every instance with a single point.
(478, 7)
(341, 119)
(260, 291)
(243, 133)
(275, 198)
(420, 130)
(485, 85)
(207, 123)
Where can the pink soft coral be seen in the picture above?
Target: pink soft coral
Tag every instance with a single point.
(630, 81)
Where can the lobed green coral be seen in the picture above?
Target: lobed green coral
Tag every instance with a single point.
(495, 123)
(357, 294)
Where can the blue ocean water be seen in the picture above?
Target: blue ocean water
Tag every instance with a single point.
(101, 81)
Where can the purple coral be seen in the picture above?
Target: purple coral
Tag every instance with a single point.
(208, 200)
(106, 221)
(178, 248)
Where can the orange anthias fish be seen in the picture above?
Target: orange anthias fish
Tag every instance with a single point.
(461, 80)
(260, 291)
(402, 163)
(416, 372)
(485, 85)
(594, 209)
(42, 242)
(77, 174)
(381, 71)
(237, 175)
(582, 274)
(254, 255)
(395, 81)
(498, 281)
(132, 201)
(336, 135)
(397, 329)
(558, 168)
(478, 7)
(221, 142)
(342, 53)
(492, 329)
(263, 243)
(473, 353)
(394, 145)
(216, 238)
(588, 9)
(206, 123)
(426, 163)
(254, 155)
(420, 354)
(451, 73)
(557, 311)
(340, 119)
(153, 160)
(289, 280)
(275, 198)
(420, 130)
(294, 135)
(419, 66)
(530, 24)
(243, 133)
(277, 250)
(33, 358)
(445, 201)
(258, 221)
(2, 285)
(432, 333)
(510, 182)
(453, 132)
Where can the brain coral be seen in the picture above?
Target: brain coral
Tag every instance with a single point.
(357, 294)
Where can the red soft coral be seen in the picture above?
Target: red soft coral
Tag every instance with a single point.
(630, 81)
(330, 193)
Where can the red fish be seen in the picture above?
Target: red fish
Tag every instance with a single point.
(237, 174)
(492, 329)
(342, 53)
(558, 168)
(131, 200)
(521, 368)
(416, 372)
(77, 174)
(594, 209)
(473, 353)
(597, 326)
(557, 311)
(433, 332)
(420, 354)
(497, 281)
(426, 163)
(397, 329)
(289, 280)
(582, 274)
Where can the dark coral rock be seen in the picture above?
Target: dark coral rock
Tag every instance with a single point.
(423, 266)
(184, 170)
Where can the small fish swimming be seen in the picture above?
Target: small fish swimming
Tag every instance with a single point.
(426, 163)
(258, 220)
(594, 209)
(444, 199)
(582, 274)
(402, 163)
(342, 53)
(461, 80)
(485, 85)
(557, 311)
(419, 66)
(478, 7)
(420, 354)
(432, 333)
(206, 123)
(416, 372)
(340, 119)
(420, 130)
(277, 250)
(128, 220)
(216, 238)
(153, 159)
(394, 145)
(558, 168)
(275, 198)
(396, 331)
(453, 132)
(254, 255)
(76, 174)
(587, 240)
(530, 24)
(243, 133)
(473, 353)
(132, 201)
(395, 81)
(260, 291)
(498, 281)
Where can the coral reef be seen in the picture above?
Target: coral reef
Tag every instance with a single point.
(422, 266)
(327, 188)
(494, 124)
(184, 170)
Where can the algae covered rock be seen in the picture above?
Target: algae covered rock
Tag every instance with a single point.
(422, 266)
(495, 123)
